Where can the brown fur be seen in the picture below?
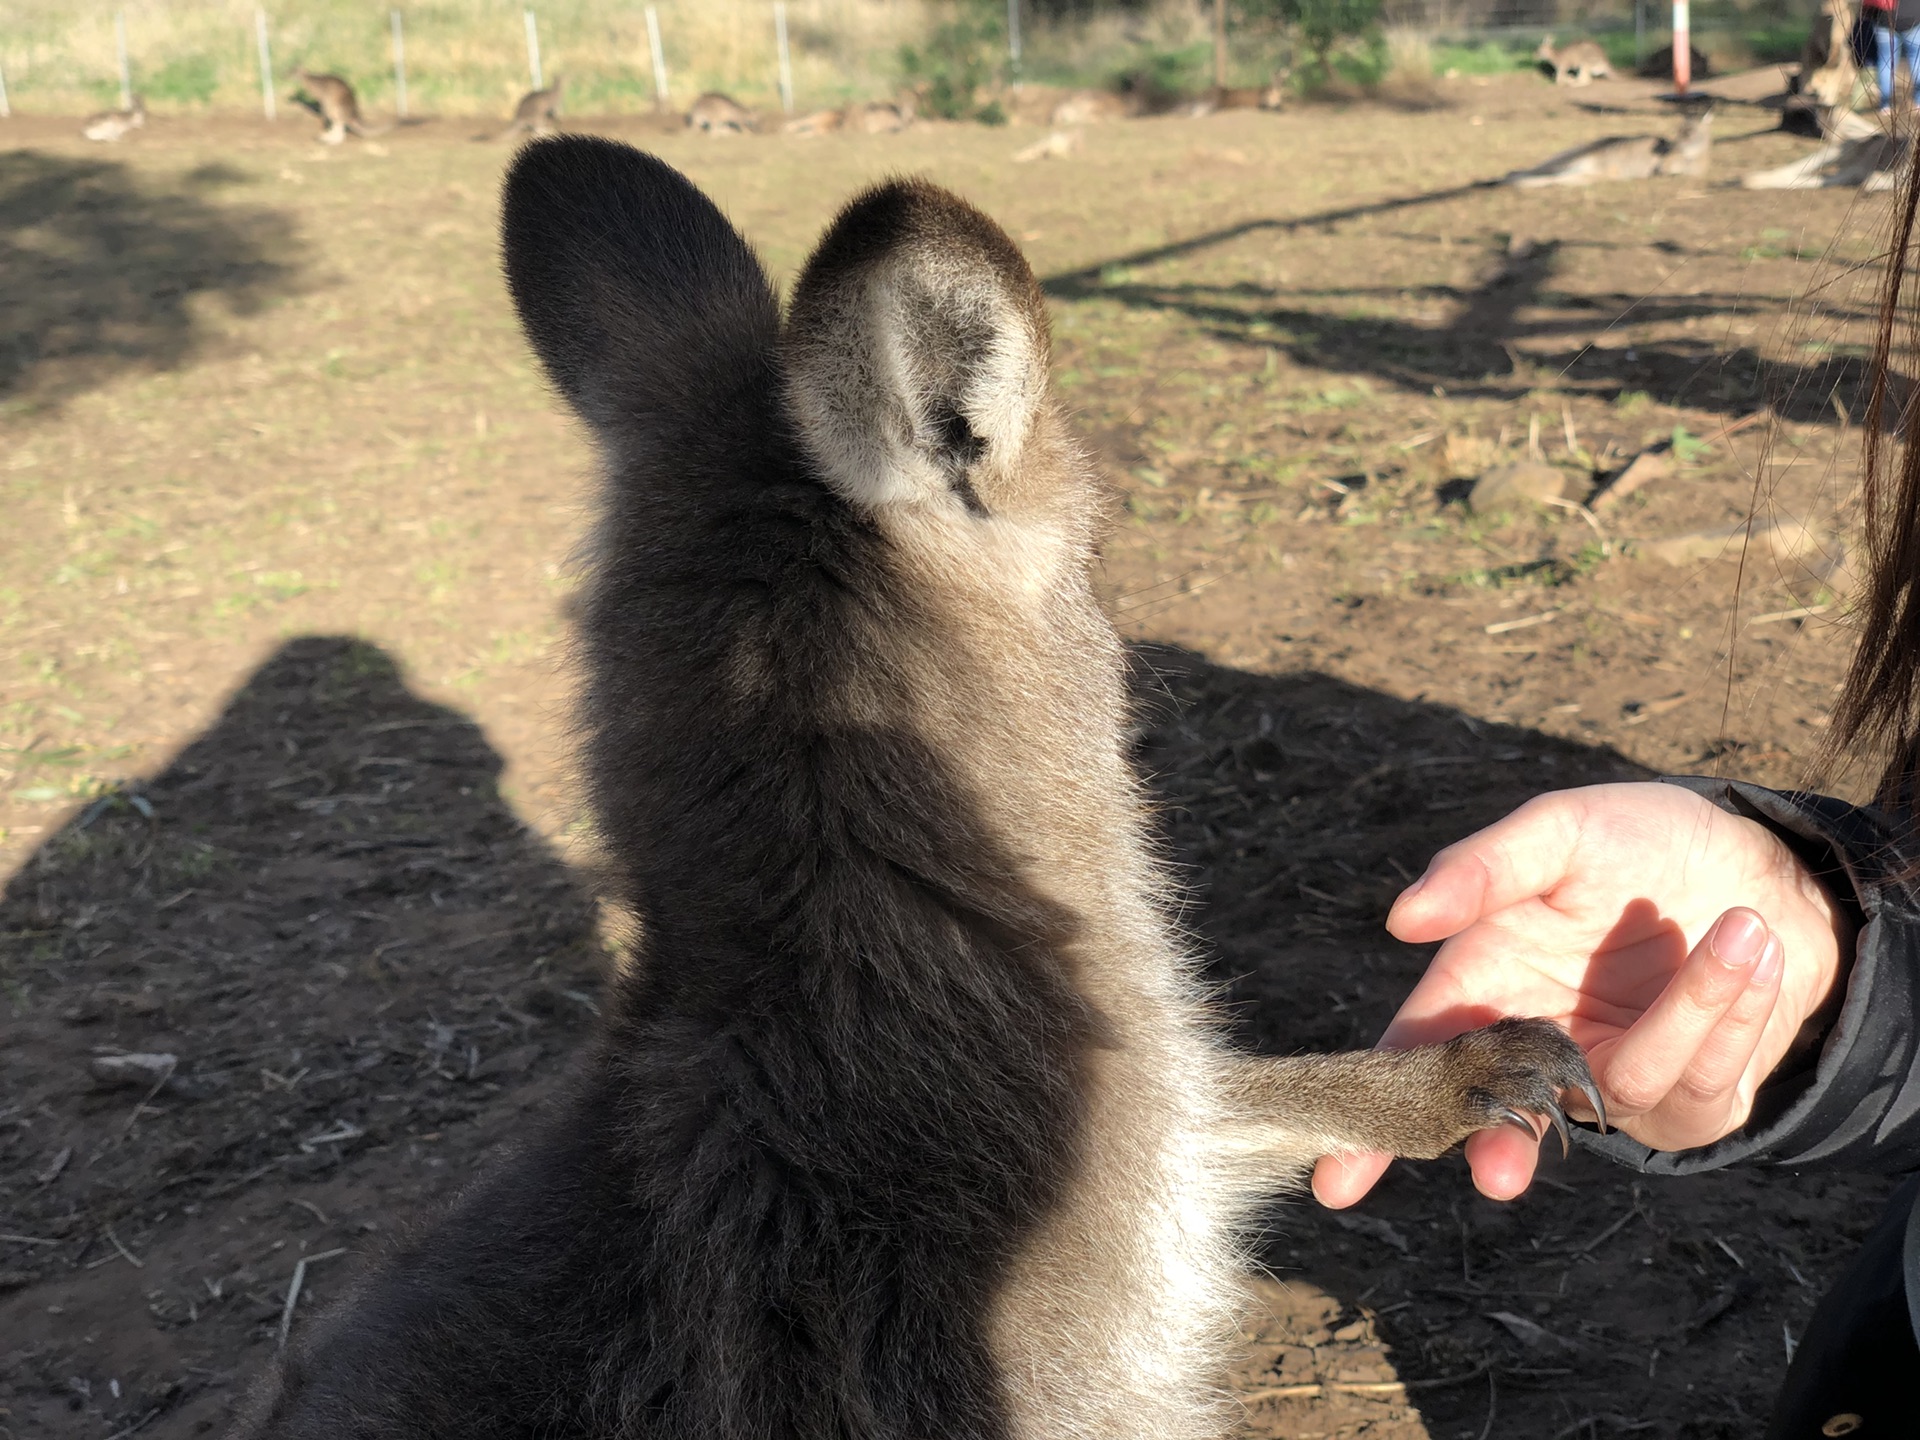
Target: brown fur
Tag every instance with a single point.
(909, 1120)
(337, 105)
(1627, 157)
(538, 112)
(112, 125)
(717, 114)
(1579, 63)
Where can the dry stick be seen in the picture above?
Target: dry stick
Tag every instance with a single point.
(1315, 1389)
(29, 1240)
(293, 1288)
(125, 1254)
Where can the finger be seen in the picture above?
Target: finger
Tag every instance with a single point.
(1714, 1091)
(1514, 859)
(1343, 1180)
(1640, 1070)
(1503, 1162)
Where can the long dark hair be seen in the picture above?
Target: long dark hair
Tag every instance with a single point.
(1879, 705)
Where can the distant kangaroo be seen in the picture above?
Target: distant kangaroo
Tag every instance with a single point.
(335, 103)
(1626, 157)
(1580, 63)
(538, 112)
(908, 1118)
(717, 114)
(115, 124)
(1253, 97)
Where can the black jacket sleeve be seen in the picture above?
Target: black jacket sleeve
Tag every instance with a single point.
(1852, 1102)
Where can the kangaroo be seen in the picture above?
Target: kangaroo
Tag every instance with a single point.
(1827, 72)
(1088, 107)
(1869, 160)
(1580, 63)
(1626, 157)
(1254, 97)
(908, 1118)
(538, 112)
(112, 125)
(335, 103)
(717, 114)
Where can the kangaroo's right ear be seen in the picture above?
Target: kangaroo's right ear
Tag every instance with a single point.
(646, 307)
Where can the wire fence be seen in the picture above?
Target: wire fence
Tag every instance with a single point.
(478, 56)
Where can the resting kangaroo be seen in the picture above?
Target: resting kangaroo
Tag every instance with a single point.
(1626, 157)
(907, 1119)
(1580, 63)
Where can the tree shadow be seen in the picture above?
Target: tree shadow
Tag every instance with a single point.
(1477, 352)
(100, 270)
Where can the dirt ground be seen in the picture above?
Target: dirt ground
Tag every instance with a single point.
(284, 790)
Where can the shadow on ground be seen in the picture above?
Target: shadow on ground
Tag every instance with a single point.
(1515, 333)
(367, 970)
(100, 271)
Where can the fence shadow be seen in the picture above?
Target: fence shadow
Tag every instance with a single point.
(100, 271)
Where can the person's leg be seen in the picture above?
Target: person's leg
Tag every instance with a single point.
(1883, 64)
(1910, 47)
(1858, 1356)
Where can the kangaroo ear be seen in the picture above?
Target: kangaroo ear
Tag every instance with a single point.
(648, 310)
(916, 352)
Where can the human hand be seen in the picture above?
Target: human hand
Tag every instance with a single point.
(1682, 947)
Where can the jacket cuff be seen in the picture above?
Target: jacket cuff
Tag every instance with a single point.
(1854, 1104)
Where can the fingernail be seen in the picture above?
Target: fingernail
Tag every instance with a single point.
(1770, 959)
(1412, 890)
(1738, 938)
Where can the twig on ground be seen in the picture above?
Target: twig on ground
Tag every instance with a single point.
(293, 1288)
(125, 1254)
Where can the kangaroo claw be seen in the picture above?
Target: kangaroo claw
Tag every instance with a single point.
(1510, 1116)
(1559, 1118)
(1592, 1092)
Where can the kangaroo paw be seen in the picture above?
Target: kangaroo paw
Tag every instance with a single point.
(1516, 1069)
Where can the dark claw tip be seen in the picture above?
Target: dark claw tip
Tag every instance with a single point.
(1559, 1119)
(1509, 1116)
(1592, 1092)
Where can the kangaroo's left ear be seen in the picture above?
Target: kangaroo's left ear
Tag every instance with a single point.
(917, 352)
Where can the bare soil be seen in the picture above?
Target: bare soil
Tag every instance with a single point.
(284, 789)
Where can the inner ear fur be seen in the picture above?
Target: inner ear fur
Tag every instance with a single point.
(916, 349)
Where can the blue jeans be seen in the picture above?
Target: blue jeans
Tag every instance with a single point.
(1884, 37)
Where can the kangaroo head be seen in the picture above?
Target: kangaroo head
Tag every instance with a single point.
(916, 366)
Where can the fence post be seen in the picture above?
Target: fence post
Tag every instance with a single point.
(399, 67)
(1682, 48)
(1013, 41)
(1639, 33)
(659, 59)
(266, 61)
(533, 49)
(786, 60)
(126, 66)
(6, 108)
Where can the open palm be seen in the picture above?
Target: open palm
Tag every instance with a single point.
(1681, 946)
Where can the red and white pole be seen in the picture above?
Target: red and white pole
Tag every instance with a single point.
(1682, 48)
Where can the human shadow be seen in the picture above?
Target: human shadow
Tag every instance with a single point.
(325, 913)
(1515, 333)
(101, 270)
(1296, 807)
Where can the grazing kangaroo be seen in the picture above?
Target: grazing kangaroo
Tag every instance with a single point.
(717, 114)
(908, 1119)
(1827, 72)
(1580, 63)
(335, 103)
(1626, 157)
(115, 124)
(538, 112)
